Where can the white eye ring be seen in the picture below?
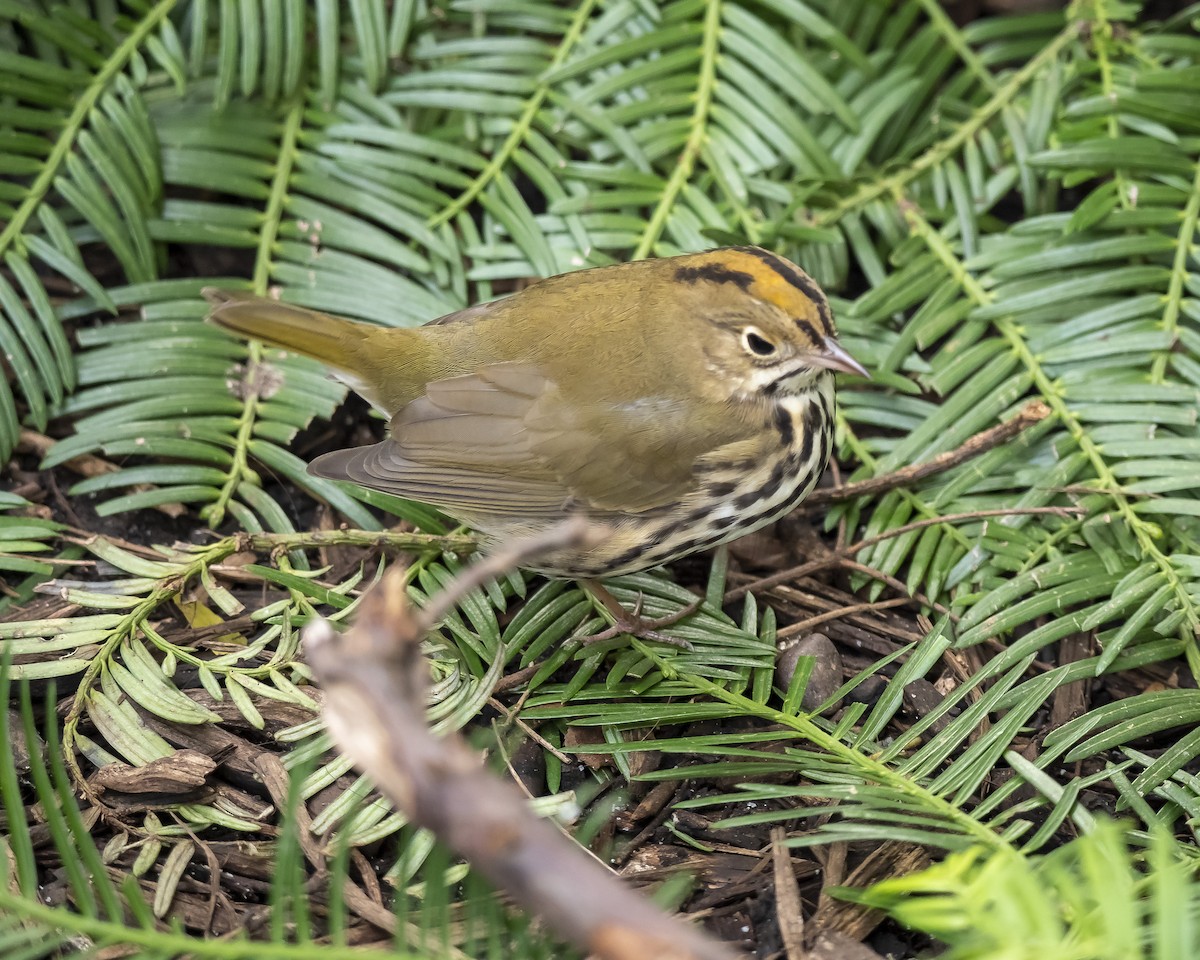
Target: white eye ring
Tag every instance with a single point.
(755, 343)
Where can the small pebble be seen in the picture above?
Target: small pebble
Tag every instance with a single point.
(826, 674)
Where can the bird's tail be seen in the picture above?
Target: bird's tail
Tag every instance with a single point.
(331, 340)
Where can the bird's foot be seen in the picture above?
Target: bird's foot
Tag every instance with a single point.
(634, 624)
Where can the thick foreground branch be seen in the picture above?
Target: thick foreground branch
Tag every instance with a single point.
(375, 681)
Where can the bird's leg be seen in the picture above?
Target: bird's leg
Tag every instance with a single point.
(632, 622)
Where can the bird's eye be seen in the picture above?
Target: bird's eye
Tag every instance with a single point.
(756, 343)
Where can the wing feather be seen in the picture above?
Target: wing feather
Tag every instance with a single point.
(383, 466)
(502, 441)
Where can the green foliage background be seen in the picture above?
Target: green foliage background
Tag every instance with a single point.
(1001, 212)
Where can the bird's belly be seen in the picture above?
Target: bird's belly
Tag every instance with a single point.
(730, 501)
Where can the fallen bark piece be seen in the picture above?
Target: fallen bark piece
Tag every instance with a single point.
(184, 771)
(855, 921)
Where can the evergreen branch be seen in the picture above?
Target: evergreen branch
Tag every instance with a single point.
(166, 588)
(1101, 35)
(374, 539)
(1045, 547)
(1103, 895)
(954, 38)
(944, 149)
(706, 84)
(1179, 274)
(522, 126)
(126, 50)
(127, 627)
(239, 471)
(870, 769)
(1146, 532)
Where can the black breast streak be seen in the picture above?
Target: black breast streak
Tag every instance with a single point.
(783, 467)
(627, 557)
(748, 499)
(715, 273)
(686, 547)
(698, 513)
(749, 506)
(783, 423)
(721, 489)
(813, 425)
(778, 474)
(821, 421)
(823, 454)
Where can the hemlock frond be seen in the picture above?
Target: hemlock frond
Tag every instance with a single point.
(1002, 213)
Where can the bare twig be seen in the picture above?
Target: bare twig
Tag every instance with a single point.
(1032, 413)
(375, 681)
(511, 717)
(794, 629)
(517, 677)
(899, 586)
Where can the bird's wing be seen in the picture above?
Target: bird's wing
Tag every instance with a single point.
(503, 440)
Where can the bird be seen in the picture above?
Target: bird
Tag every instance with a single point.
(680, 402)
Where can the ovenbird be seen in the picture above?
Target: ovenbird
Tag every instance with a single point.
(682, 402)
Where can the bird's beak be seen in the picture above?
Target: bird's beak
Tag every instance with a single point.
(834, 357)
